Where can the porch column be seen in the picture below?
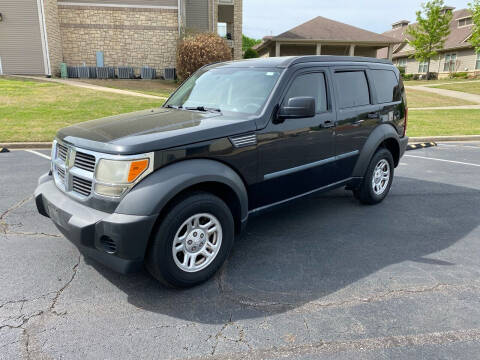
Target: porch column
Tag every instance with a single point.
(277, 48)
(352, 50)
(319, 49)
(390, 52)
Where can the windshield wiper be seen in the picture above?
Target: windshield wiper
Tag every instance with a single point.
(203, 108)
(173, 107)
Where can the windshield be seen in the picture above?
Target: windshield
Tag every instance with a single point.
(238, 90)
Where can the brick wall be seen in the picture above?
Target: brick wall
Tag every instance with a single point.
(127, 36)
(54, 37)
(237, 31)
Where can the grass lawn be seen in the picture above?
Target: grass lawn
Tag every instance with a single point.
(443, 122)
(151, 87)
(433, 82)
(34, 110)
(419, 98)
(471, 88)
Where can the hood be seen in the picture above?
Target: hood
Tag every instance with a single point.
(151, 130)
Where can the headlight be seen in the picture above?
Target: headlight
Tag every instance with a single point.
(115, 177)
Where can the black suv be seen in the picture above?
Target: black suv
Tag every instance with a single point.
(170, 187)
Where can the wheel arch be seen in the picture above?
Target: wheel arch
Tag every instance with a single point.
(155, 193)
(383, 136)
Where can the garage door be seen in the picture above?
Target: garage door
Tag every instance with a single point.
(21, 50)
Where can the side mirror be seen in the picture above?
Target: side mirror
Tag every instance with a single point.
(298, 107)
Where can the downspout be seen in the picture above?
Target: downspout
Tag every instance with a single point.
(213, 16)
(179, 17)
(43, 36)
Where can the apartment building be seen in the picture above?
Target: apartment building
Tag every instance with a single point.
(457, 55)
(37, 35)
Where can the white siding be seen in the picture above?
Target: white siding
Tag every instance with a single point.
(20, 40)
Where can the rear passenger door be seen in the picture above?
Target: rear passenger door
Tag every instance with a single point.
(357, 116)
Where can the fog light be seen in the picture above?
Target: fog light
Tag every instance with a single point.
(111, 191)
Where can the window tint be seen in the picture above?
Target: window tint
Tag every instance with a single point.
(310, 85)
(352, 89)
(386, 85)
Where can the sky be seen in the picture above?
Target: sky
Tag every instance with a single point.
(272, 17)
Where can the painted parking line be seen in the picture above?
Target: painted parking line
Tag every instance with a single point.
(39, 154)
(444, 160)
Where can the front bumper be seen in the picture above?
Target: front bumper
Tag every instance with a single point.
(118, 241)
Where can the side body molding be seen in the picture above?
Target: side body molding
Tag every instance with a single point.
(151, 195)
(379, 135)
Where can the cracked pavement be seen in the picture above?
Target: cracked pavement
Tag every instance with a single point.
(323, 277)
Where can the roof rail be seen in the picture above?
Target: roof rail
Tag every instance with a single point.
(333, 58)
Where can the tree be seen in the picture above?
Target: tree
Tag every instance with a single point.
(248, 42)
(475, 38)
(428, 35)
(250, 54)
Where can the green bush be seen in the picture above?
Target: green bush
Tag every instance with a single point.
(407, 76)
(458, 75)
(197, 50)
(250, 54)
(401, 69)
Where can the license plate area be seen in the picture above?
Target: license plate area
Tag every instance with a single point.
(58, 216)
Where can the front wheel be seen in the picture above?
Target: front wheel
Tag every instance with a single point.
(378, 178)
(192, 241)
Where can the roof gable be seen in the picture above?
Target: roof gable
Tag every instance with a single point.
(321, 28)
(458, 36)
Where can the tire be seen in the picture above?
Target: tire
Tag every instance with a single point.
(371, 193)
(190, 222)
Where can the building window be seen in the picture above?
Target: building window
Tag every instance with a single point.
(464, 22)
(402, 62)
(222, 29)
(423, 67)
(477, 63)
(450, 62)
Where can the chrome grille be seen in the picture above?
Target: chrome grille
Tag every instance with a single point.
(61, 173)
(81, 186)
(85, 161)
(73, 170)
(62, 151)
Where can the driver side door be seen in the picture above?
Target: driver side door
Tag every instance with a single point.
(297, 155)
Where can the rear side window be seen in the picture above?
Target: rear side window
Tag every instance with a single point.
(386, 85)
(352, 88)
(312, 85)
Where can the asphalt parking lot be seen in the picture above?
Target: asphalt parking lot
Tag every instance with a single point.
(323, 277)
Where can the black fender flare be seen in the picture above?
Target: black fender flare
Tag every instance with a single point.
(151, 195)
(378, 136)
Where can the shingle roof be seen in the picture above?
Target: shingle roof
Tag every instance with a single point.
(455, 40)
(321, 28)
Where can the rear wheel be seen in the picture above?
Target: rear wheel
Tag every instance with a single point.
(378, 178)
(192, 241)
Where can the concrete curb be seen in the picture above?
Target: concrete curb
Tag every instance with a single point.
(444, 138)
(27, 145)
(424, 139)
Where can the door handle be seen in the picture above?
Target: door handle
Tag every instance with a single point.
(328, 124)
(374, 115)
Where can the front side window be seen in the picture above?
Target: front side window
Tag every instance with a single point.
(312, 85)
(450, 62)
(352, 88)
(230, 90)
(423, 67)
(386, 85)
